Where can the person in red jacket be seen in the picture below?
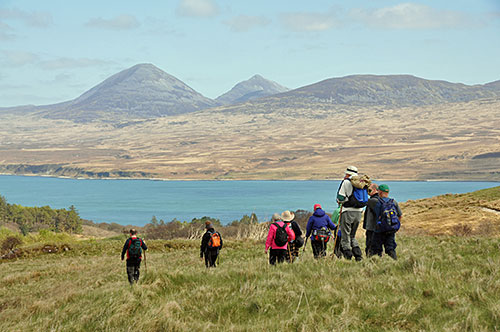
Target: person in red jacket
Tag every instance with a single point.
(133, 247)
(275, 239)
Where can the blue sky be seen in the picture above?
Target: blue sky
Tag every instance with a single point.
(54, 50)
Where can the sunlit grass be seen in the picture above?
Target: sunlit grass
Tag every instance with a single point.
(438, 284)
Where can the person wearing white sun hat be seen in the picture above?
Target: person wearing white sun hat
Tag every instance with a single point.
(350, 216)
(288, 218)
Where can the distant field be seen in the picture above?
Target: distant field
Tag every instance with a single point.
(438, 284)
(457, 141)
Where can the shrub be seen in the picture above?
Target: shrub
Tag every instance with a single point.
(10, 243)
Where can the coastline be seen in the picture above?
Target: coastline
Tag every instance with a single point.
(240, 180)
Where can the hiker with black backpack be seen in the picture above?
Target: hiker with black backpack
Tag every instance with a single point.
(133, 248)
(388, 217)
(353, 200)
(294, 245)
(211, 244)
(277, 240)
(318, 227)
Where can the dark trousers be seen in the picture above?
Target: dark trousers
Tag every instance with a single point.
(211, 257)
(319, 248)
(277, 255)
(369, 244)
(386, 240)
(133, 270)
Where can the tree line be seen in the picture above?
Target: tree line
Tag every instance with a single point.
(30, 219)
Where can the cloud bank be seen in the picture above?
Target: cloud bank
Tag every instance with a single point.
(243, 23)
(197, 8)
(309, 22)
(121, 22)
(34, 19)
(410, 16)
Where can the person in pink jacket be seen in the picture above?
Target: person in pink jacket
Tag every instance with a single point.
(278, 234)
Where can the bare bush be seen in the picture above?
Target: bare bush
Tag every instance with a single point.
(461, 230)
(247, 228)
(10, 243)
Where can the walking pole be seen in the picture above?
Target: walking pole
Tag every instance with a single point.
(145, 262)
(305, 243)
(337, 232)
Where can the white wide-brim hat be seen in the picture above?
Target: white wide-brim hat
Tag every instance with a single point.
(287, 216)
(351, 170)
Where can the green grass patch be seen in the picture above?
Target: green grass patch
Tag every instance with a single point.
(490, 194)
(438, 284)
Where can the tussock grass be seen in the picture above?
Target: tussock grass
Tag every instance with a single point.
(438, 284)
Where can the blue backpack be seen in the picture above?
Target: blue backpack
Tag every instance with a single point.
(388, 220)
(358, 198)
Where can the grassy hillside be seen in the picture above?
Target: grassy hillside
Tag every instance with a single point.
(475, 213)
(438, 284)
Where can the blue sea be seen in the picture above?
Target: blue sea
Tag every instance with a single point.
(135, 202)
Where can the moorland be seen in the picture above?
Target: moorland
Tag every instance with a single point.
(457, 141)
(446, 279)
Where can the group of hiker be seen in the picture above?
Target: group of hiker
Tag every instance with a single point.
(382, 219)
(356, 193)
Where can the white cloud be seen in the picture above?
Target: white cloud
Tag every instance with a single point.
(62, 63)
(309, 22)
(244, 23)
(197, 8)
(18, 58)
(121, 22)
(35, 19)
(411, 16)
(6, 32)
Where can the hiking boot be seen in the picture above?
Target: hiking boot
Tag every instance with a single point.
(347, 254)
(392, 254)
(356, 251)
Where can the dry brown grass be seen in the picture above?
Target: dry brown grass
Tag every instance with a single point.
(254, 142)
(453, 214)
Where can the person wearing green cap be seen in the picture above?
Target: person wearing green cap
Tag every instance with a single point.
(388, 217)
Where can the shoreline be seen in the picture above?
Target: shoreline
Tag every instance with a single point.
(235, 180)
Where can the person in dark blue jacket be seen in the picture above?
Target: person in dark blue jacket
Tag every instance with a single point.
(385, 236)
(318, 228)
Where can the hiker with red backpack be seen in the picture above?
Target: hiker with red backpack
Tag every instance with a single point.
(211, 244)
(277, 240)
(388, 221)
(353, 201)
(133, 248)
(318, 227)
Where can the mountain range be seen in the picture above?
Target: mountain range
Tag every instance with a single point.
(145, 91)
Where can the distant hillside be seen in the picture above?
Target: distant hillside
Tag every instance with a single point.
(145, 91)
(386, 90)
(142, 91)
(253, 88)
